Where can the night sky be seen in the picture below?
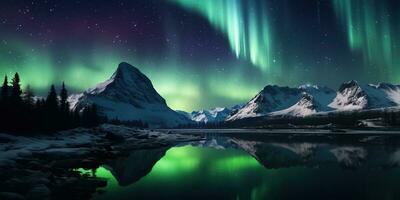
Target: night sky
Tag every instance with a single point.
(201, 53)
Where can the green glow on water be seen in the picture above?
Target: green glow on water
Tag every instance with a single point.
(177, 161)
(203, 173)
(184, 166)
(234, 164)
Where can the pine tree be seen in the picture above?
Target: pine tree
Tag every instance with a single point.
(64, 105)
(52, 101)
(16, 90)
(51, 114)
(94, 118)
(28, 96)
(4, 119)
(4, 90)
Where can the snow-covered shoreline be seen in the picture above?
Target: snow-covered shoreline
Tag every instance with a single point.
(38, 167)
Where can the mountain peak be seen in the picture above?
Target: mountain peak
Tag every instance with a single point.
(124, 67)
(127, 72)
(307, 86)
(350, 96)
(129, 95)
(348, 84)
(307, 101)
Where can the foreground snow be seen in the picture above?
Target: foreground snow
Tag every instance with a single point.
(80, 141)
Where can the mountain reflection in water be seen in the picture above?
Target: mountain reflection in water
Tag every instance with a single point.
(359, 167)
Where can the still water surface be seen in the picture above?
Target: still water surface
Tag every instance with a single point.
(243, 168)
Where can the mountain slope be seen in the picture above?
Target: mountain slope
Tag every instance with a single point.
(208, 116)
(285, 101)
(304, 107)
(352, 96)
(218, 114)
(308, 100)
(129, 95)
(271, 98)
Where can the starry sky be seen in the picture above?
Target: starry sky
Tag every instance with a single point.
(201, 53)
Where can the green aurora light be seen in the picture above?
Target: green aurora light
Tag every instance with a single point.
(246, 25)
(203, 54)
(372, 30)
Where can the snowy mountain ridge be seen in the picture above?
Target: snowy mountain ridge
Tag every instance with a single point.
(129, 95)
(217, 114)
(307, 100)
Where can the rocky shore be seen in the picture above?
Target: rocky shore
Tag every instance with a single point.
(42, 167)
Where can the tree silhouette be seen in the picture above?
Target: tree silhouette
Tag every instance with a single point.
(16, 90)
(64, 105)
(66, 118)
(4, 90)
(29, 96)
(52, 100)
(27, 114)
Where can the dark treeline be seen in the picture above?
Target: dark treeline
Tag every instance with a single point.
(21, 112)
(131, 123)
(386, 117)
(204, 125)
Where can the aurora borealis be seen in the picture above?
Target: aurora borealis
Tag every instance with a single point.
(372, 30)
(245, 23)
(201, 54)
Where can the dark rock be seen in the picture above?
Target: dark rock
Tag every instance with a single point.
(89, 164)
(114, 137)
(15, 185)
(38, 177)
(34, 164)
(100, 191)
(39, 192)
(11, 196)
(77, 188)
(67, 163)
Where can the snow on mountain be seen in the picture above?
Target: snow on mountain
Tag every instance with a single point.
(304, 107)
(392, 91)
(275, 100)
(214, 115)
(270, 99)
(310, 99)
(352, 96)
(74, 99)
(321, 95)
(218, 114)
(129, 95)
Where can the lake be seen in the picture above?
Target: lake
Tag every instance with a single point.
(259, 167)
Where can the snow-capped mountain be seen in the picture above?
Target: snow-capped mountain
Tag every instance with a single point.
(218, 114)
(208, 116)
(321, 95)
(270, 99)
(129, 95)
(304, 107)
(309, 99)
(352, 96)
(301, 101)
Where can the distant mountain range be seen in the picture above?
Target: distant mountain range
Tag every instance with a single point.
(214, 115)
(129, 95)
(308, 100)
